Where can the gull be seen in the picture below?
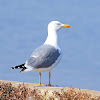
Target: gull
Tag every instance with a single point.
(47, 56)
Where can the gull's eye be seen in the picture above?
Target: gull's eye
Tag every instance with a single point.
(58, 23)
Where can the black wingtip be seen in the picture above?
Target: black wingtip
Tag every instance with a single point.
(18, 67)
(12, 68)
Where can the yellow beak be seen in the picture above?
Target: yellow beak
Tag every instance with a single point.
(66, 25)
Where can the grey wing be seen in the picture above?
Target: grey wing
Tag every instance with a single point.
(43, 57)
(30, 61)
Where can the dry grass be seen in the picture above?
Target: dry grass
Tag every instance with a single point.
(21, 92)
(7, 92)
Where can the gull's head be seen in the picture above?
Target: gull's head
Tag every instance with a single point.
(56, 25)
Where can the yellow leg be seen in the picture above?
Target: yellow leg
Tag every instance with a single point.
(49, 79)
(40, 80)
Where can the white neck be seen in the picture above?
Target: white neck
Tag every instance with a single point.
(52, 38)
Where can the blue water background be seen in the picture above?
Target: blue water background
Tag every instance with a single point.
(23, 27)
